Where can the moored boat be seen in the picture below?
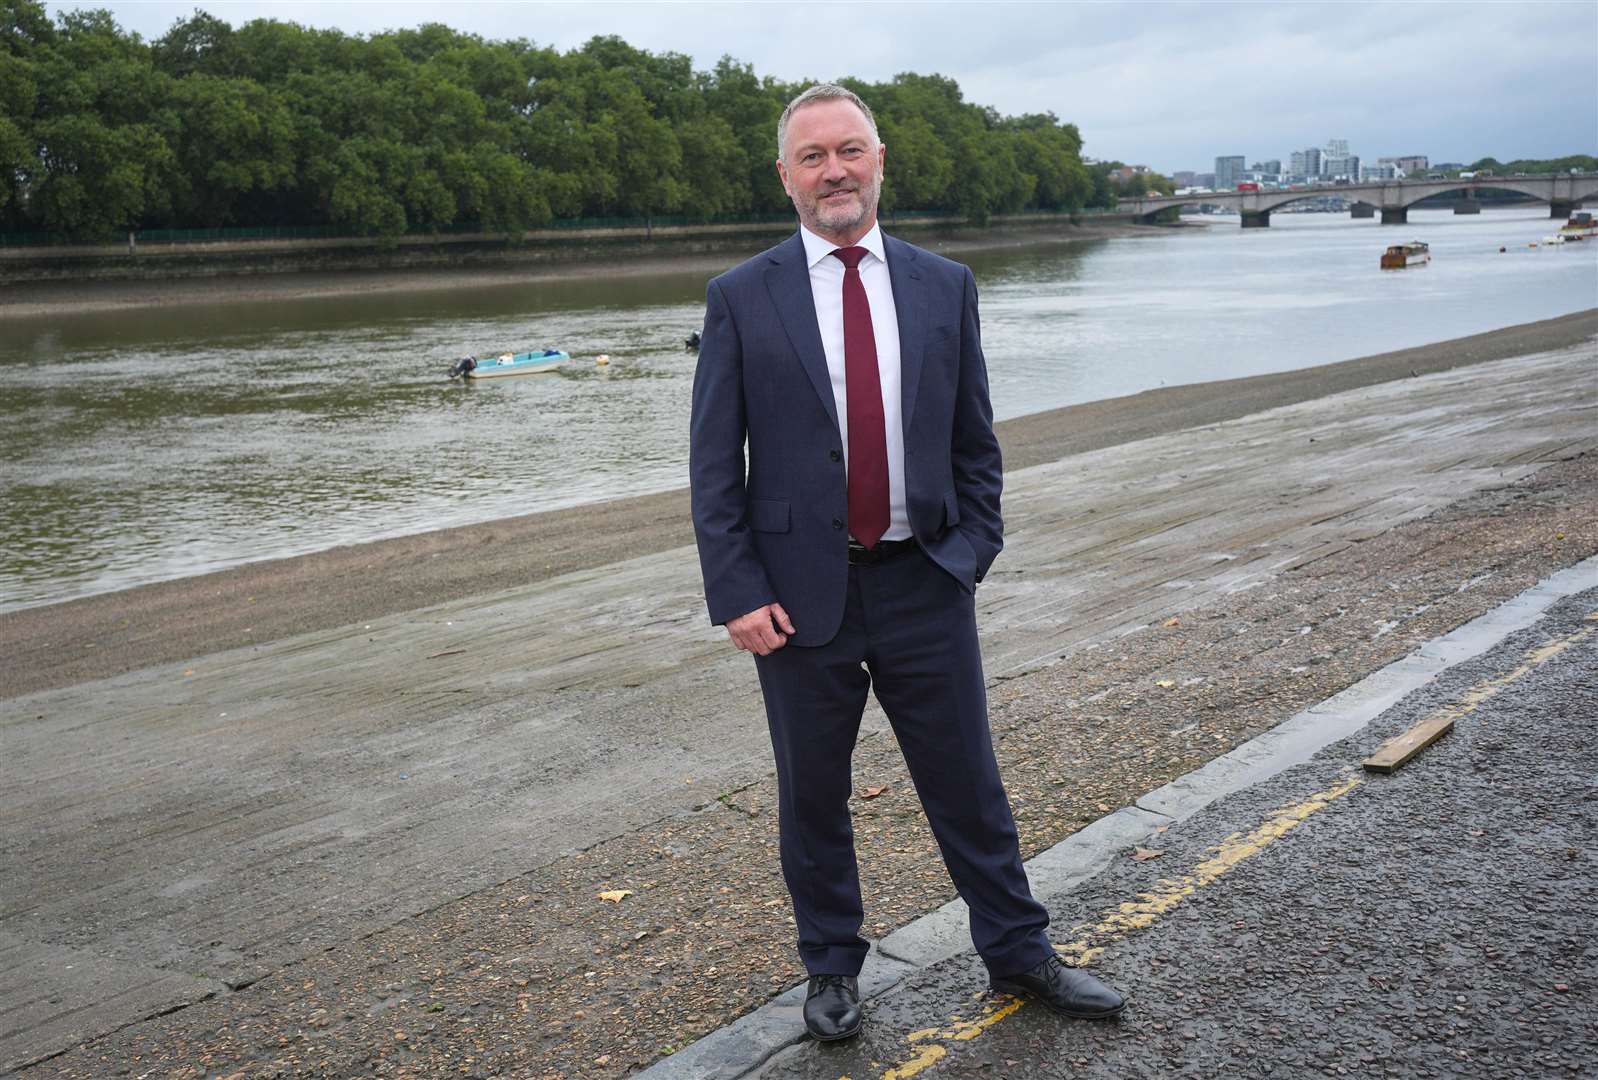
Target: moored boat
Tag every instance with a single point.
(1414, 253)
(494, 367)
(1581, 226)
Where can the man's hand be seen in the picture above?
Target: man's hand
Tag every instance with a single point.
(763, 631)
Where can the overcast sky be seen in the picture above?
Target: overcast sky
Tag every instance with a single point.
(1167, 85)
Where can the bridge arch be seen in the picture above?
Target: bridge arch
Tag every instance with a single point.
(1561, 192)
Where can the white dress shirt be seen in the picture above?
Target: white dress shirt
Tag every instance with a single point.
(826, 286)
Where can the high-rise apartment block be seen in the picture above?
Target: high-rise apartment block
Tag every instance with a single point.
(1336, 148)
(1228, 171)
(1345, 166)
(1305, 162)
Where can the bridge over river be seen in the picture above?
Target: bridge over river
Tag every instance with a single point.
(1562, 192)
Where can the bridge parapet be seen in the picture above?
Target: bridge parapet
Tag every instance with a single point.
(1563, 193)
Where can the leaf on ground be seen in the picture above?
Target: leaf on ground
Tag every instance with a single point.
(1167, 683)
(616, 896)
(1143, 854)
(1173, 621)
(873, 791)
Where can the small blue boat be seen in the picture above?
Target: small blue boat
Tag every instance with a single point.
(493, 367)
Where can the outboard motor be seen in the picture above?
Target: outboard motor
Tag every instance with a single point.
(462, 366)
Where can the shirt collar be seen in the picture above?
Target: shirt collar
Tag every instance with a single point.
(817, 249)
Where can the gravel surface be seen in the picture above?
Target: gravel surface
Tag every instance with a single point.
(63, 644)
(1436, 922)
(542, 977)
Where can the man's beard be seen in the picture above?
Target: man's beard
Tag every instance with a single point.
(842, 218)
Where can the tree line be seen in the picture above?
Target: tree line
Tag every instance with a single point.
(1584, 163)
(274, 124)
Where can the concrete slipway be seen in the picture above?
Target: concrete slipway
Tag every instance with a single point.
(190, 828)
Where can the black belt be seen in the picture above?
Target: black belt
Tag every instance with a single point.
(860, 555)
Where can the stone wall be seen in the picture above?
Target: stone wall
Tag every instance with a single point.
(539, 248)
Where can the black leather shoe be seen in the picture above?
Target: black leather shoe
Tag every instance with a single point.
(832, 1007)
(1064, 989)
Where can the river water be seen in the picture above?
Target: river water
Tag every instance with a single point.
(140, 446)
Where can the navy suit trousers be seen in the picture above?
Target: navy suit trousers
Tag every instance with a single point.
(909, 633)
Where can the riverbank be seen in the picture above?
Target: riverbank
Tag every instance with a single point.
(63, 644)
(261, 274)
(533, 832)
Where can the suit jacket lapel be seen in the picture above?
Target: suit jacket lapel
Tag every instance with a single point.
(910, 304)
(788, 282)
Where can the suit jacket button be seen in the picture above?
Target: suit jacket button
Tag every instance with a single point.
(837, 523)
(834, 455)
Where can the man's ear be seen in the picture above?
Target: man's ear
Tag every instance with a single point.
(782, 174)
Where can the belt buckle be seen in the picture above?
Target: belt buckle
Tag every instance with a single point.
(860, 555)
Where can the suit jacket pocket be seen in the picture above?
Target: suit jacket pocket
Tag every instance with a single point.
(951, 509)
(768, 515)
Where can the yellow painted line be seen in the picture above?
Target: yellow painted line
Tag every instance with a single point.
(1472, 699)
(1143, 912)
(957, 1030)
(931, 1045)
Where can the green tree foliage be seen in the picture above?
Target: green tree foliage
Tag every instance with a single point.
(1109, 186)
(273, 123)
(1585, 163)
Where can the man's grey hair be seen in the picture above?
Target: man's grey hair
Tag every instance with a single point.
(822, 92)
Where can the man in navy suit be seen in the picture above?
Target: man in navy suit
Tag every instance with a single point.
(844, 550)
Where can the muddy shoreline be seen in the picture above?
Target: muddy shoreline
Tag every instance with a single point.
(52, 299)
(95, 637)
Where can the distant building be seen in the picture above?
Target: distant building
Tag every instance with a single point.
(1204, 180)
(1409, 166)
(1304, 162)
(1336, 148)
(1185, 178)
(1228, 171)
(1271, 168)
(1384, 169)
(1346, 166)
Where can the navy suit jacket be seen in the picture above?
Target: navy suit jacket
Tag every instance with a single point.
(774, 527)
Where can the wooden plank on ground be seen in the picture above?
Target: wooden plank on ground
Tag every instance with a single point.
(1395, 752)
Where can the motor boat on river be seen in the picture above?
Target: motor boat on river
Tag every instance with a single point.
(1414, 253)
(1581, 226)
(494, 367)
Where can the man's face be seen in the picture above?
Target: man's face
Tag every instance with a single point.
(832, 169)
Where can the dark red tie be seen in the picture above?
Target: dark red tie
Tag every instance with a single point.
(868, 440)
